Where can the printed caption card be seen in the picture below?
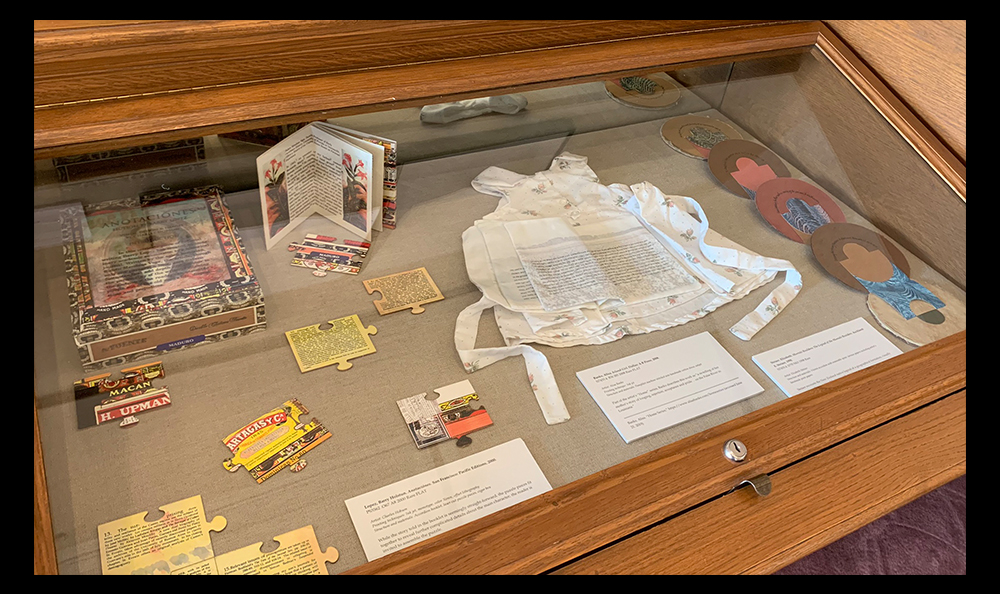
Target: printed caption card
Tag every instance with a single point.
(655, 389)
(823, 357)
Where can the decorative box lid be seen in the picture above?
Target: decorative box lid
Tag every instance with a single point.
(144, 254)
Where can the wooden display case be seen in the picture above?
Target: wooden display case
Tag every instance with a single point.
(837, 457)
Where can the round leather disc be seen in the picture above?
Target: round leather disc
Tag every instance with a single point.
(930, 324)
(828, 243)
(742, 166)
(695, 136)
(650, 91)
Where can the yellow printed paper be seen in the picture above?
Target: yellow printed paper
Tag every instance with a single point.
(404, 290)
(318, 346)
(206, 567)
(274, 440)
(298, 553)
(133, 546)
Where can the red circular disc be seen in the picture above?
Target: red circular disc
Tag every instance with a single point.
(796, 208)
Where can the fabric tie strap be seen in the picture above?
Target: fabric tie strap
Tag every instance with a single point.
(543, 383)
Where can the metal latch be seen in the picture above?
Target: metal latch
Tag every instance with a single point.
(735, 451)
(761, 484)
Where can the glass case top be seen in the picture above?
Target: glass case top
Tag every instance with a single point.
(287, 322)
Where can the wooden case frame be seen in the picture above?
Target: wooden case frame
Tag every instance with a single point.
(840, 455)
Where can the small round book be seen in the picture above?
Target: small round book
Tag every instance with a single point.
(695, 136)
(928, 323)
(742, 166)
(649, 91)
(849, 252)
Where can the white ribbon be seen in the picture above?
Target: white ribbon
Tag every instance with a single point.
(543, 383)
(775, 301)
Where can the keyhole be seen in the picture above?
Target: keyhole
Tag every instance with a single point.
(734, 450)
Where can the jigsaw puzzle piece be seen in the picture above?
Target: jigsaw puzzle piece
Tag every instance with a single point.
(298, 553)
(176, 540)
(404, 290)
(461, 411)
(333, 342)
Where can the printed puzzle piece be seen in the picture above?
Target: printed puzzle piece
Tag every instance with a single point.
(410, 289)
(316, 346)
(298, 553)
(423, 418)
(100, 399)
(180, 538)
(450, 416)
(457, 412)
(329, 245)
(320, 268)
(274, 440)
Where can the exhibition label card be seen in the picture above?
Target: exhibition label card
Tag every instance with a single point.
(655, 389)
(432, 502)
(815, 360)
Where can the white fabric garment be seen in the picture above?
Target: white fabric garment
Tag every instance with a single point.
(565, 260)
(444, 113)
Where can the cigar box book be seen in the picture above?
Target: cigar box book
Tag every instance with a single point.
(155, 273)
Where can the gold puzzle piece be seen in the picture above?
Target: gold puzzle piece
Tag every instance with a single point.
(410, 289)
(177, 540)
(347, 338)
(298, 553)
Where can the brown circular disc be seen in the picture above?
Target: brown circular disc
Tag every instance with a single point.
(650, 91)
(741, 166)
(927, 326)
(810, 207)
(695, 136)
(828, 244)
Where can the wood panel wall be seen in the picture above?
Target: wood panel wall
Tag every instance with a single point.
(923, 62)
(112, 86)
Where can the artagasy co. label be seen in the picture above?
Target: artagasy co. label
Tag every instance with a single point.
(274, 440)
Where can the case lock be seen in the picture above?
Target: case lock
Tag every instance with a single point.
(734, 450)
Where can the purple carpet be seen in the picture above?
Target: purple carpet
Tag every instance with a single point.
(924, 537)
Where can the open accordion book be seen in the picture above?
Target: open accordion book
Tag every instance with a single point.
(341, 174)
